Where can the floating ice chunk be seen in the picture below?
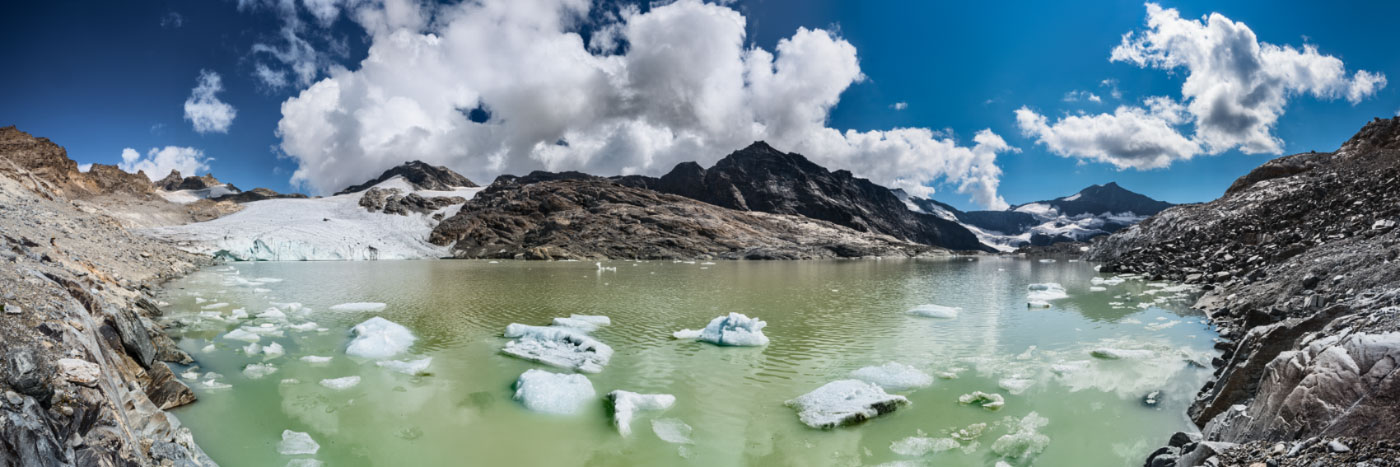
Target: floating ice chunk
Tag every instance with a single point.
(1162, 325)
(1046, 292)
(1096, 288)
(918, 445)
(1108, 353)
(555, 393)
(991, 401)
(671, 430)
(585, 323)
(214, 315)
(844, 402)
(379, 338)
(1047, 260)
(295, 443)
(894, 376)
(359, 307)
(258, 370)
(273, 350)
(241, 334)
(198, 300)
(1066, 368)
(935, 311)
(1015, 385)
(252, 349)
(408, 367)
(303, 327)
(1025, 440)
(626, 404)
(734, 329)
(970, 433)
(238, 313)
(556, 346)
(316, 360)
(215, 306)
(341, 384)
(207, 348)
(687, 334)
(272, 313)
(214, 384)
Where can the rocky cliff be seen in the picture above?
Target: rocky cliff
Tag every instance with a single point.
(1301, 259)
(83, 379)
(575, 216)
(421, 175)
(763, 179)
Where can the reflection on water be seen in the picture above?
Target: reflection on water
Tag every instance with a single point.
(825, 319)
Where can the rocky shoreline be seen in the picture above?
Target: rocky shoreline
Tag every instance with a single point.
(1300, 260)
(83, 379)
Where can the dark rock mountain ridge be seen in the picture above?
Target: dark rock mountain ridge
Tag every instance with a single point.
(1301, 259)
(1107, 198)
(175, 182)
(575, 216)
(763, 179)
(421, 175)
(1094, 211)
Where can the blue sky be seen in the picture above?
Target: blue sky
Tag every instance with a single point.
(99, 78)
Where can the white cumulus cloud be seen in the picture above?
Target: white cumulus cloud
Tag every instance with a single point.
(204, 109)
(1235, 90)
(676, 83)
(158, 162)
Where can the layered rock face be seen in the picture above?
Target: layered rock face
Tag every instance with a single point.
(763, 179)
(256, 194)
(421, 175)
(1302, 259)
(393, 201)
(175, 182)
(574, 216)
(83, 379)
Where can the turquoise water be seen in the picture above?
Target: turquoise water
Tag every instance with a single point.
(825, 319)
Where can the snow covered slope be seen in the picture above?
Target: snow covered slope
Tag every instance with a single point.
(330, 228)
(190, 196)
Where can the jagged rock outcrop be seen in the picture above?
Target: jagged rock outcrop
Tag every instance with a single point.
(572, 216)
(421, 175)
(1302, 261)
(111, 179)
(393, 201)
(83, 378)
(174, 182)
(763, 179)
(256, 194)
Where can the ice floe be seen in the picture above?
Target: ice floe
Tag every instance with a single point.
(844, 402)
(920, 445)
(258, 370)
(1046, 292)
(734, 329)
(272, 313)
(408, 367)
(987, 401)
(1108, 353)
(359, 307)
(295, 443)
(555, 393)
(1024, 440)
(894, 376)
(672, 430)
(626, 404)
(379, 338)
(557, 346)
(316, 360)
(341, 384)
(935, 311)
(1015, 385)
(241, 334)
(273, 350)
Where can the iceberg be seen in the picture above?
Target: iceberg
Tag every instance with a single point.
(296, 443)
(408, 367)
(316, 360)
(555, 393)
(1025, 440)
(241, 334)
(258, 370)
(341, 384)
(733, 330)
(556, 346)
(991, 401)
(379, 338)
(1046, 292)
(359, 307)
(894, 376)
(671, 430)
(272, 313)
(919, 445)
(626, 404)
(585, 323)
(273, 350)
(844, 402)
(304, 327)
(935, 311)
(1096, 288)
(239, 313)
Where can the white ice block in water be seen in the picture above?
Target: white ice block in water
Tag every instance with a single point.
(272, 313)
(304, 327)
(671, 430)
(241, 334)
(919, 445)
(935, 311)
(215, 306)
(1097, 288)
(258, 370)
(555, 393)
(273, 350)
(1108, 353)
(734, 329)
(894, 376)
(557, 346)
(585, 323)
(341, 384)
(379, 338)
(844, 402)
(991, 401)
(1015, 385)
(626, 404)
(295, 443)
(1046, 292)
(359, 307)
(239, 313)
(303, 462)
(316, 360)
(1025, 440)
(408, 367)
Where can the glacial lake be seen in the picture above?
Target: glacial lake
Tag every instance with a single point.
(825, 320)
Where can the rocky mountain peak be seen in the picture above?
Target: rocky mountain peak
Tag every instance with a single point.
(171, 182)
(1380, 133)
(1107, 198)
(421, 175)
